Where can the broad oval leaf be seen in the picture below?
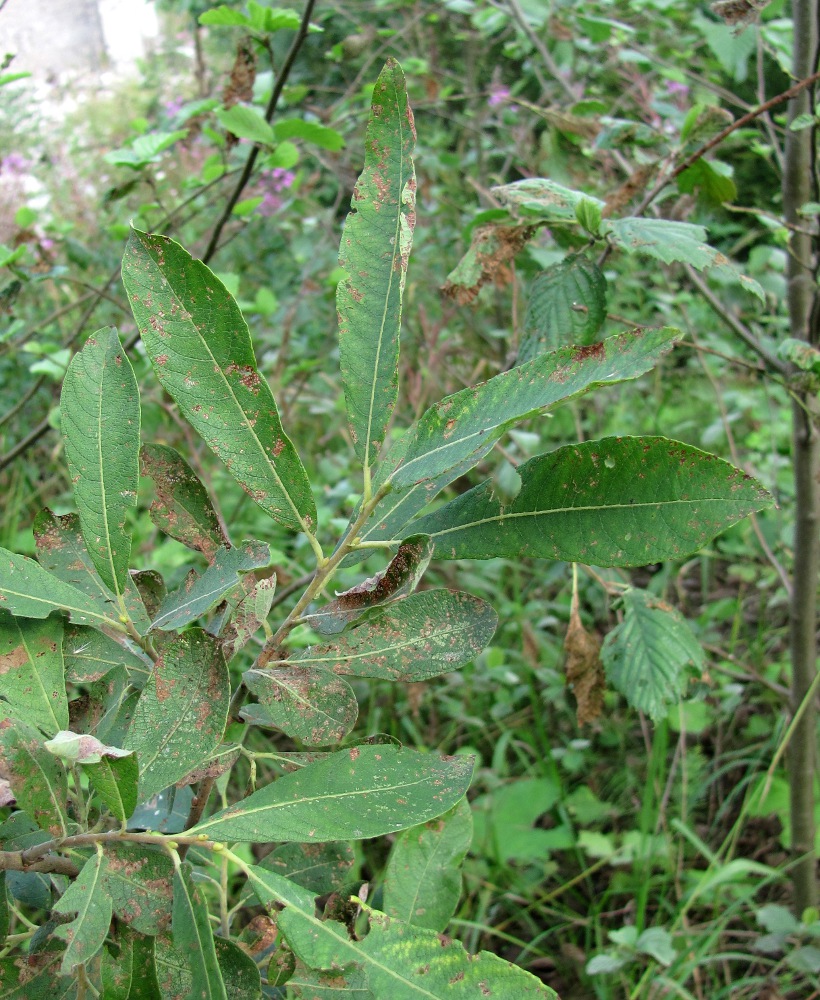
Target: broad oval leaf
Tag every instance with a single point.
(37, 779)
(312, 705)
(182, 712)
(651, 656)
(374, 251)
(201, 351)
(422, 636)
(100, 411)
(33, 671)
(182, 507)
(360, 792)
(613, 502)
(86, 896)
(460, 429)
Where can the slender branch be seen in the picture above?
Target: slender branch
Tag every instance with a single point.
(543, 51)
(247, 171)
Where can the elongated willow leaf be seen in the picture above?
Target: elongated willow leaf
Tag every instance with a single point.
(457, 431)
(614, 502)
(419, 637)
(182, 507)
(194, 939)
(62, 551)
(313, 705)
(359, 792)
(201, 351)
(88, 898)
(139, 880)
(100, 409)
(89, 655)
(37, 779)
(26, 589)
(132, 974)
(182, 712)
(33, 671)
(374, 251)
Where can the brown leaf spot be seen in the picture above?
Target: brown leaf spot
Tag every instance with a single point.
(584, 671)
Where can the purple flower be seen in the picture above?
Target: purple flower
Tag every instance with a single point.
(173, 108)
(676, 89)
(269, 205)
(14, 164)
(498, 95)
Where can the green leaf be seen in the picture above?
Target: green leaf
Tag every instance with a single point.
(504, 821)
(195, 336)
(357, 793)
(553, 316)
(657, 943)
(90, 655)
(26, 589)
(87, 896)
(457, 431)
(33, 672)
(401, 577)
(139, 881)
(238, 972)
(62, 551)
(405, 962)
(422, 880)
(319, 868)
(224, 16)
(319, 135)
(246, 123)
(182, 712)
(182, 507)
(249, 615)
(194, 939)
(542, 199)
(419, 637)
(613, 502)
(669, 241)
(332, 985)
(198, 595)
(144, 149)
(115, 780)
(311, 705)
(712, 178)
(36, 978)
(132, 975)
(263, 18)
(651, 655)
(37, 779)
(374, 251)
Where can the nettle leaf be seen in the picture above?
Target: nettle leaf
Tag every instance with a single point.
(669, 241)
(87, 897)
(419, 637)
(567, 306)
(26, 589)
(651, 656)
(194, 939)
(62, 551)
(182, 712)
(356, 793)
(312, 705)
(422, 880)
(246, 123)
(199, 594)
(139, 881)
(33, 671)
(182, 507)
(405, 962)
(613, 502)
(401, 577)
(201, 351)
(319, 135)
(90, 655)
(374, 251)
(457, 431)
(100, 411)
(37, 779)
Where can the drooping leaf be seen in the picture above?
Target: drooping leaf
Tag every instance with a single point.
(86, 896)
(421, 636)
(139, 881)
(182, 711)
(422, 881)
(488, 257)
(319, 135)
(400, 578)
(651, 656)
(26, 589)
(37, 779)
(668, 240)
(374, 251)
(61, 550)
(567, 305)
(195, 335)
(194, 939)
(405, 962)
(312, 705)
(457, 431)
(199, 594)
(132, 974)
(182, 507)
(100, 413)
(583, 669)
(613, 502)
(32, 671)
(319, 868)
(89, 655)
(360, 792)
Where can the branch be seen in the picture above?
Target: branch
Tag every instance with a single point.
(245, 176)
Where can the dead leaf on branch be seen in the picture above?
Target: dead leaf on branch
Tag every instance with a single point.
(584, 671)
(491, 249)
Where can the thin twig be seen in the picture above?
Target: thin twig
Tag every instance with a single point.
(543, 51)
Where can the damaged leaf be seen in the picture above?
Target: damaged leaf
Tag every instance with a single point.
(312, 705)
